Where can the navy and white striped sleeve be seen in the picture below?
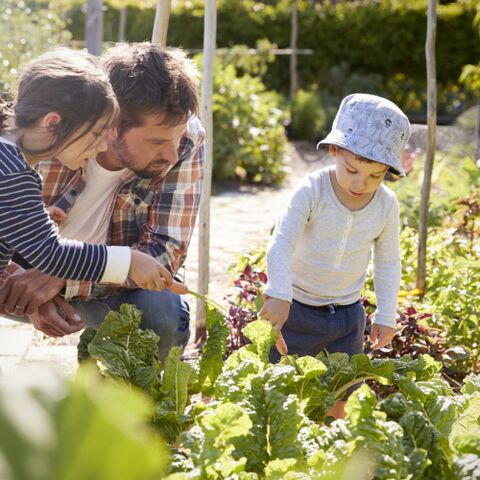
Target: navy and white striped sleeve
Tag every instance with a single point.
(26, 227)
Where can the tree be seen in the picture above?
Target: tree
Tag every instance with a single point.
(27, 32)
(94, 26)
(122, 6)
(431, 142)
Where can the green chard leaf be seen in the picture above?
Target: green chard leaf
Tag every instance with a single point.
(383, 439)
(170, 418)
(465, 434)
(467, 467)
(274, 415)
(86, 337)
(220, 431)
(314, 398)
(471, 384)
(125, 351)
(211, 362)
(263, 338)
(64, 424)
(233, 383)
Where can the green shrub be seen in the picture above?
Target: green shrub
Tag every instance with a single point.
(308, 115)
(249, 136)
(455, 176)
(371, 37)
(27, 31)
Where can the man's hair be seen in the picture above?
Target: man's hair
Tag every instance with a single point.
(148, 79)
(69, 82)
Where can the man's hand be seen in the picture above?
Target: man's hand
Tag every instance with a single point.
(381, 335)
(276, 312)
(56, 318)
(25, 290)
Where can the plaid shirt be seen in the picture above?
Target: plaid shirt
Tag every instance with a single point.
(156, 216)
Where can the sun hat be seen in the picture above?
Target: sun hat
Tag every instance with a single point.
(371, 127)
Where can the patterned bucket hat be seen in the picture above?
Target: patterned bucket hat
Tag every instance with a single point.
(371, 127)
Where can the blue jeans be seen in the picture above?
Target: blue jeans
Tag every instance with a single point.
(166, 313)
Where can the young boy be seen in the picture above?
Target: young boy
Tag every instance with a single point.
(322, 243)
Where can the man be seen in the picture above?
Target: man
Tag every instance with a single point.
(144, 192)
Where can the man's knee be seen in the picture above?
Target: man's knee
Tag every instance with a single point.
(166, 313)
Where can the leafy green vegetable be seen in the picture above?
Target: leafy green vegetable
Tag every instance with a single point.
(51, 428)
(126, 352)
(214, 350)
(170, 417)
(264, 421)
(263, 337)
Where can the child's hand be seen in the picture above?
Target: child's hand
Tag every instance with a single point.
(276, 312)
(148, 273)
(178, 288)
(381, 335)
(56, 214)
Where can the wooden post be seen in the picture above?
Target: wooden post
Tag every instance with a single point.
(94, 27)
(122, 23)
(431, 143)
(209, 40)
(477, 134)
(160, 26)
(293, 56)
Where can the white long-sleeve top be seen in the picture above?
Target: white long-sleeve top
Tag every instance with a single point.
(320, 250)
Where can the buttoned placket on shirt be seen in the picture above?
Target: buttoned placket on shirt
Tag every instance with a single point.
(343, 242)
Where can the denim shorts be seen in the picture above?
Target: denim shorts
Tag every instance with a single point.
(334, 328)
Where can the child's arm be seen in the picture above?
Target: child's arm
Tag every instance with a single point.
(387, 271)
(26, 227)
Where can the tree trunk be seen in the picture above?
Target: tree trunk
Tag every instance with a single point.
(431, 143)
(209, 36)
(160, 26)
(94, 27)
(122, 23)
(293, 56)
(477, 134)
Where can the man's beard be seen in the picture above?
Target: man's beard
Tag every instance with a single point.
(126, 159)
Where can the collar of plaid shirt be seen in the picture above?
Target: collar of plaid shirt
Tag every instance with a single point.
(61, 186)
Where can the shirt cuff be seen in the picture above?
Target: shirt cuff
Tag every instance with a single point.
(389, 321)
(118, 265)
(77, 289)
(278, 295)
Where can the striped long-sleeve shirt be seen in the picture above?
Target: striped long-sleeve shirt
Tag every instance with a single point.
(26, 228)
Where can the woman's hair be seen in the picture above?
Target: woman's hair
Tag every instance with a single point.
(69, 82)
(148, 79)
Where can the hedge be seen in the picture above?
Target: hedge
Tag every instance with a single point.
(385, 38)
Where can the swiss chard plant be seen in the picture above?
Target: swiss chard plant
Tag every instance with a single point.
(256, 420)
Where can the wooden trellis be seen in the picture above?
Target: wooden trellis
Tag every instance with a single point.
(159, 37)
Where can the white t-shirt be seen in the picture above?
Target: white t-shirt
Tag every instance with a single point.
(320, 250)
(89, 218)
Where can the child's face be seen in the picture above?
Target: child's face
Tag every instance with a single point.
(88, 146)
(356, 176)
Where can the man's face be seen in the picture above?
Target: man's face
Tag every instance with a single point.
(151, 149)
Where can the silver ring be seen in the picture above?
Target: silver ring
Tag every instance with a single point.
(19, 307)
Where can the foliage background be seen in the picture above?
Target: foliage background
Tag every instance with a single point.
(385, 39)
